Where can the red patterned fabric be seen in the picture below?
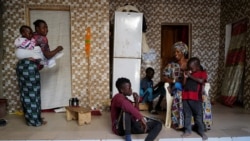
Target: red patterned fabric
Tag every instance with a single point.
(235, 63)
(192, 89)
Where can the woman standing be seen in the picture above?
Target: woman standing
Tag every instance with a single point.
(173, 74)
(29, 77)
(41, 31)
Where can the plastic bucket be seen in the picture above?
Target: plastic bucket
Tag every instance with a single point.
(3, 107)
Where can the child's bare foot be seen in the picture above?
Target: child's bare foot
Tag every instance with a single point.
(185, 135)
(44, 122)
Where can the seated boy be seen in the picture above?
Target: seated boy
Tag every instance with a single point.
(148, 92)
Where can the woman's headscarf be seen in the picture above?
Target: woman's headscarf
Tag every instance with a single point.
(181, 47)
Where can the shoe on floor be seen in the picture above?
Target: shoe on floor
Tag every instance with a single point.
(3, 122)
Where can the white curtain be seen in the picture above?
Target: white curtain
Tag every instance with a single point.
(56, 81)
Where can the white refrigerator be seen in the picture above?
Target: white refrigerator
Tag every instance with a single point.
(127, 49)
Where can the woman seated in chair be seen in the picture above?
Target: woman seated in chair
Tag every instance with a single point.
(173, 74)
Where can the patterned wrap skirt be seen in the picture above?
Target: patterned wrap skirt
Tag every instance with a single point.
(177, 114)
(29, 85)
(207, 112)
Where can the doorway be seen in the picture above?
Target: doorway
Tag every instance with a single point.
(54, 94)
(171, 33)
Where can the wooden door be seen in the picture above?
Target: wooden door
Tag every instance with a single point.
(53, 81)
(169, 35)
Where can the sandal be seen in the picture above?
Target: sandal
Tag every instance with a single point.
(185, 135)
(3, 122)
(154, 112)
(44, 122)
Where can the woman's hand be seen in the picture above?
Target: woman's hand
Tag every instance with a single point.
(37, 61)
(59, 48)
(50, 54)
(136, 97)
(144, 125)
(187, 73)
(32, 59)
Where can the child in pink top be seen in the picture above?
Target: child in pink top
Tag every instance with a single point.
(26, 45)
(26, 48)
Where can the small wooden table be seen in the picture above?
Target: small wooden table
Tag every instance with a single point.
(143, 106)
(83, 115)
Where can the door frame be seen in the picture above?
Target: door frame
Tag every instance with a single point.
(189, 40)
(53, 8)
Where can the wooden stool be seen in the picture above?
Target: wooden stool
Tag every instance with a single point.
(107, 104)
(82, 114)
(143, 106)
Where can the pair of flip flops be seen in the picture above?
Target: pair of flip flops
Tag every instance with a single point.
(3, 122)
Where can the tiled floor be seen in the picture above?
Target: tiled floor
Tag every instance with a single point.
(229, 124)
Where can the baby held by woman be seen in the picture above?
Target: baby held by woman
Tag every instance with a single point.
(26, 48)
